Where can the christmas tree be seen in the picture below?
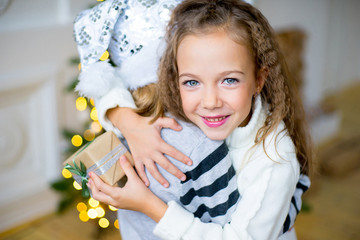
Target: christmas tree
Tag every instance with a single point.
(89, 209)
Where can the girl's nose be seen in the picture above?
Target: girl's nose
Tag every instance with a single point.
(211, 99)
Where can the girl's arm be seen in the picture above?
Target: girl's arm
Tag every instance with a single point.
(115, 112)
(146, 144)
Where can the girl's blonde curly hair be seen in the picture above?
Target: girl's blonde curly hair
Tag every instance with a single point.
(245, 25)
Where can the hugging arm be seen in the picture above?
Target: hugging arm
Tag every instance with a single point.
(115, 112)
(146, 144)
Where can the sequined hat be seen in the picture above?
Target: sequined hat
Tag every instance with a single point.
(132, 31)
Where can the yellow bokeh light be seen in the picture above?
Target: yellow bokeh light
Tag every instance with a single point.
(77, 186)
(66, 173)
(83, 216)
(89, 135)
(100, 0)
(93, 114)
(93, 203)
(100, 212)
(96, 127)
(76, 140)
(79, 66)
(104, 56)
(103, 222)
(116, 223)
(81, 207)
(92, 102)
(112, 208)
(81, 103)
(92, 213)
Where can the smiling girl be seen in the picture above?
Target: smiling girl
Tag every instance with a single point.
(222, 70)
(217, 83)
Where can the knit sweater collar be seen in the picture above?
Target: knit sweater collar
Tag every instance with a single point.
(245, 136)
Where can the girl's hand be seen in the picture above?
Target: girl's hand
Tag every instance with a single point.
(146, 144)
(133, 196)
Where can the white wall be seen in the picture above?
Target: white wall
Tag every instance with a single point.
(343, 58)
(333, 35)
(36, 44)
(311, 16)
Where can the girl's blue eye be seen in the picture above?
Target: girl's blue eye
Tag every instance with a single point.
(191, 83)
(230, 81)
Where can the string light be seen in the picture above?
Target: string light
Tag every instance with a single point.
(76, 140)
(89, 135)
(112, 208)
(83, 216)
(93, 114)
(81, 207)
(77, 186)
(96, 126)
(66, 173)
(93, 203)
(116, 223)
(103, 222)
(81, 104)
(100, 212)
(104, 56)
(92, 101)
(92, 213)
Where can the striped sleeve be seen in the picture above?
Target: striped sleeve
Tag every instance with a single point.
(301, 187)
(210, 191)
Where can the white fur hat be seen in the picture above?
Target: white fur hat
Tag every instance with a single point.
(132, 31)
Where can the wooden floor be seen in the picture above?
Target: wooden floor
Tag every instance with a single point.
(335, 210)
(59, 227)
(333, 199)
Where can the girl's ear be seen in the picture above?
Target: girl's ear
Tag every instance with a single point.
(261, 78)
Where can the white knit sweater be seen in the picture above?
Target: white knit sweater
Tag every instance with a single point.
(266, 182)
(266, 185)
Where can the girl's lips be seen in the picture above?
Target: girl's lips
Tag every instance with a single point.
(215, 121)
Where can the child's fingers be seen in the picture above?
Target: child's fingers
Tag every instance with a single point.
(176, 154)
(140, 169)
(154, 171)
(165, 163)
(127, 167)
(166, 122)
(97, 194)
(100, 185)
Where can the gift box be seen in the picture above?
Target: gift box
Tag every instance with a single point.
(101, 157)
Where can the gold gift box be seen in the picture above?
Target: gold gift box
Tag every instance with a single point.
(101, 157)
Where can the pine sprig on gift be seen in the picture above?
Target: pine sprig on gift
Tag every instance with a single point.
(80, 171)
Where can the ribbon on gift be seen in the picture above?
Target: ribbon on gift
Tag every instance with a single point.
(99, 168)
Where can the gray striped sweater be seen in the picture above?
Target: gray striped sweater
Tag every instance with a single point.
(210, 190)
